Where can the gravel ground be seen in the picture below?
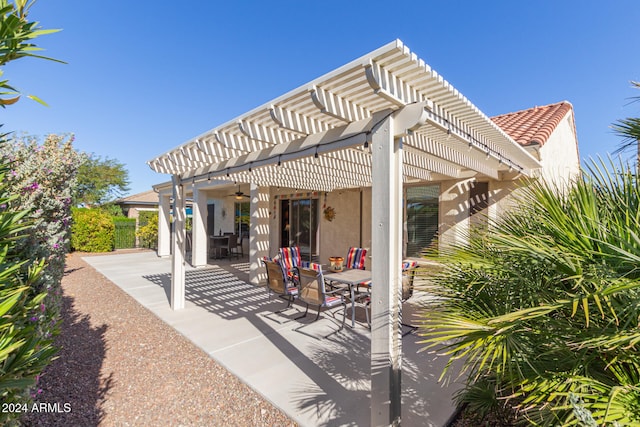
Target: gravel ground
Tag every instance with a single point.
(119, 365)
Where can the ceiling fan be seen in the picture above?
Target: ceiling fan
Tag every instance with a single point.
(239, 194)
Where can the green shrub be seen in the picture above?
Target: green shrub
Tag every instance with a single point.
(146, 216)
(541, 311)
(92, 230)
(148, 230)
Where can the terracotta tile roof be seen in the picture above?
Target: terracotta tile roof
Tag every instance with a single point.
(535, 125)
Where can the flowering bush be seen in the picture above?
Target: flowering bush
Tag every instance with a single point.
(39, 180)
(24, 351)
(44, 175)
(32, 228)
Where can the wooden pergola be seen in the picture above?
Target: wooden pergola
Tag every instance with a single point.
(381, 120)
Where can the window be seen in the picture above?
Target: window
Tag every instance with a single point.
(422, 217)
(242, 218)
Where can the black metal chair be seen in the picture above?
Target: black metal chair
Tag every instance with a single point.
(238, 251)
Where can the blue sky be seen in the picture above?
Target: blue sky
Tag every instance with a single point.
(145, 76)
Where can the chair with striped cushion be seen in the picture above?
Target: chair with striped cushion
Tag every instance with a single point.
(312, 291)
(356, 258)
(277, 284)
(289, 259)
(408, 276)
(311, 265)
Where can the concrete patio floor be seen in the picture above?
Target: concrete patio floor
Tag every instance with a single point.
(315, 381)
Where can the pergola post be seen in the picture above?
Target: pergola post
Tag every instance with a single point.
(258, 233)
(164, 225)
(178, 245)
(386, 257)
(199, 228)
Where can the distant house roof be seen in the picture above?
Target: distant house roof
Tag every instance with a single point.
(535, 125)
(146, 198)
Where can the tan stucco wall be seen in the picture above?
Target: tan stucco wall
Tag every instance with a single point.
(335, 236)
(350, 227)
(559, 155)
(133, 211)
(501, 197)
(454, 212)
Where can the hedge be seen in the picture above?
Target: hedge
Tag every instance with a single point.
(92, 231)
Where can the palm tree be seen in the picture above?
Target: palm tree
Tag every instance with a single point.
(541, 311)
(629, 130)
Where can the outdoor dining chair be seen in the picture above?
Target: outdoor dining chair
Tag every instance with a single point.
(232, 243)
(356, 258)
(408, 276)
(277, 284)
(238, 250)
(289, 259)
(312, 291)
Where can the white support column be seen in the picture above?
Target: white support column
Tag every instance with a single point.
(258, 233)
(386, 257)
(199, 228)
(178, 245)
(164, 225)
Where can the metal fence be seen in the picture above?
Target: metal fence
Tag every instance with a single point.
(125, 233)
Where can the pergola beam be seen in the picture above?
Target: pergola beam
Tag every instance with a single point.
(337, 107)
(335, 139)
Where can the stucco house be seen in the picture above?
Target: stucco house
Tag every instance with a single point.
(398, 154)
(444, 207)
(132, 205)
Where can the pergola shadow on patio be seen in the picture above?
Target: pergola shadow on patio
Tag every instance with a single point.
(317, 382)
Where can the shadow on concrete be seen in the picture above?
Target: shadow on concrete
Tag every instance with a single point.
(338, 368)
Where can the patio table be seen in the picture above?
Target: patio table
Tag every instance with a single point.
(351, 278)
(219, 245)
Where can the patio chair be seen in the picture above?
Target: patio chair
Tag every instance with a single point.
(277, 284)
(312, 291)
(289, 259)
(408, 276)
(356, 258)
(232, 243)
(238, 251)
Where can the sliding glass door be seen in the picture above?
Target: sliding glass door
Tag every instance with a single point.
(299, 226)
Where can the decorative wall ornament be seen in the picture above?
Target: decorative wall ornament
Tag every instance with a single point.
(329, 213)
